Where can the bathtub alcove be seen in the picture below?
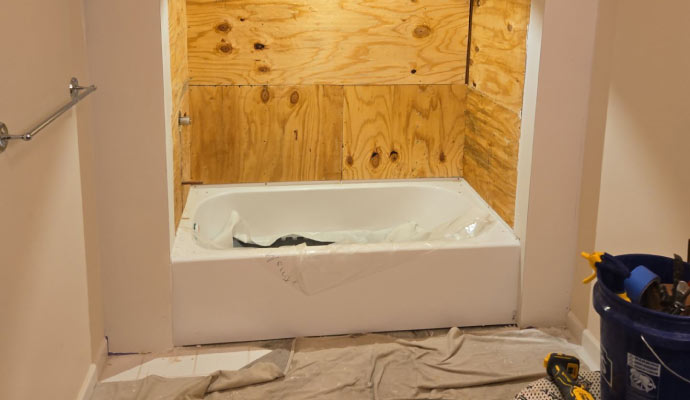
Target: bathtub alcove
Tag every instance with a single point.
(373, 143)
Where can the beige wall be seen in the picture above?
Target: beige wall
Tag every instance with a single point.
(644, 200)
(126, 58)
(45, 311)
(548, 230)
(591, 162)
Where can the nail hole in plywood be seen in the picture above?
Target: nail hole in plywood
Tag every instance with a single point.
(259, 46)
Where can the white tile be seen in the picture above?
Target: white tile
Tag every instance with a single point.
(122, 368)
(169, 367)
(229, 361)
(256, 354)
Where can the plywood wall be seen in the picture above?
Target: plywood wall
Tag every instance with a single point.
(179, 72)
(266, 134)
(494, 100)
(395, 132)
(322, 90)
(350, 42)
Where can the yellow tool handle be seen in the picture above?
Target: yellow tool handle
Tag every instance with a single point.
(593, 259)
(568, 388)
(581, 394)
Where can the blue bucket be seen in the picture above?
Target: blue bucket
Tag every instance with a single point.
(645, 354)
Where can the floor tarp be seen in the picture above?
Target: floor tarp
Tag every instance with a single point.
(379, 367)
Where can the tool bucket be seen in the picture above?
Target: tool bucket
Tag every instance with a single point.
(645, 354)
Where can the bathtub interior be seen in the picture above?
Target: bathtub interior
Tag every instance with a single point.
(426, 211)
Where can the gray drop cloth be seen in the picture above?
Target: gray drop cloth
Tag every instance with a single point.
(454, 366)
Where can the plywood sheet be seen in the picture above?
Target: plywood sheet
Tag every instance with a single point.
(403, 131)
(181, 154)
(491, 152)
(266, 134)
(179, 68)
(498, 50)
(327, 42)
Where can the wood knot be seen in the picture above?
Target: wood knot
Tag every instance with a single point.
(442, 157)
(509, 27)
(259, 46)
(375, 159)
(296, 133)
(223, 27)
(350, 160)
(294, 97)
(421, 31)
(265, 95)
(225, 48)
(394, 156)
(264, 69)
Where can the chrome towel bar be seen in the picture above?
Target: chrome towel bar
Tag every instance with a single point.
(77, 93)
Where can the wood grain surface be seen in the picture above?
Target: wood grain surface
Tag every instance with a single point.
(289, 42)
(266, 134)
(498, 50)
(491, 152)
(177, 29)
(179, 77)
(403, 131)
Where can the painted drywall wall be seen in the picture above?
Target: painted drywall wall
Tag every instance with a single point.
(130, 170)
(47, 323)
(560, 126)
(591, 165)
(644, 199)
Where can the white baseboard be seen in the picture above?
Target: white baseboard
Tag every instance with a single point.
(590, 344)
(592, 347)
(93, 373)
(574, 326)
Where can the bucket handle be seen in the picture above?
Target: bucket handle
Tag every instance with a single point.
(686, 380)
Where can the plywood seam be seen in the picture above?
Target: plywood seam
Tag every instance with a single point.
(468, 63)
(322, 84)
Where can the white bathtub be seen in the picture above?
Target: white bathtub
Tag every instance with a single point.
(238, 294)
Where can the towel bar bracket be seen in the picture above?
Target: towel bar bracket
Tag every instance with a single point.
(3, 133)
(77, 93)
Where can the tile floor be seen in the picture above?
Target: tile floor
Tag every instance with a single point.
(184, 361)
